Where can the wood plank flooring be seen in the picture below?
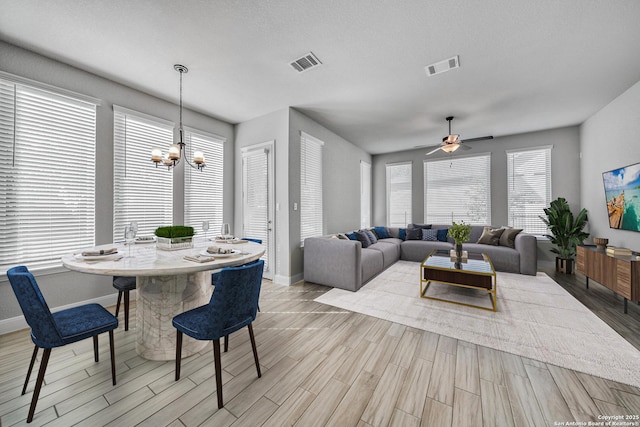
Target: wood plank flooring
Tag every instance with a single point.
(321, 366)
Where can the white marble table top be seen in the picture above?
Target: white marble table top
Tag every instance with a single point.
(147, 260)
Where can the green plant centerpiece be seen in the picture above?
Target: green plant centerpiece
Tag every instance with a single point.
(460, 233)
(566, 231)
(173, 237)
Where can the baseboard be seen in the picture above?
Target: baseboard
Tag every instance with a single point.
(287, 280)
(17, 323)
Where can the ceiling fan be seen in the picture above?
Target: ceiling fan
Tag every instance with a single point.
(452, 142)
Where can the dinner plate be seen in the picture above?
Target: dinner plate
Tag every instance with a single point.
(235, 252)
(106, 257)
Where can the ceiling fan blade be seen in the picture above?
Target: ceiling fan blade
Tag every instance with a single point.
(433, 151)
(481, 138)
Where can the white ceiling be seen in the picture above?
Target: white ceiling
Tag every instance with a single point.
(526, 65)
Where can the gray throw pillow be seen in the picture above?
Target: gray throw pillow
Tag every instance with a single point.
(508, 237)
(371, 235)
(429, 235)
(414, 233)
(363, 238)
(490, 236)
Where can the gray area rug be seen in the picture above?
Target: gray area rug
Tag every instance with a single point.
(536, 318)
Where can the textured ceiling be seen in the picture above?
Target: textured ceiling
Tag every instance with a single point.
(525, 65)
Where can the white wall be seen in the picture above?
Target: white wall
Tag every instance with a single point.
(609, 140)
(70, 287)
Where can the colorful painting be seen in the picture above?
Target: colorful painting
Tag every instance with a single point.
(622, 191)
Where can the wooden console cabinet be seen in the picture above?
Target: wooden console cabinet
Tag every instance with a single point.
(618, 273)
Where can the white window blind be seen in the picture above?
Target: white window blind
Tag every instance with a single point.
(255, 187)
(458, 189)
(528, 188)
(203, 192)
(47, 175)
(365, 195)
(141, 192)
(310, 186)
(399, 194)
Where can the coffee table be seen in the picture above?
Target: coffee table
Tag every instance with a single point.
(475, 272)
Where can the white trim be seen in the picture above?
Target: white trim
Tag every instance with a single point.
(288, 280)
(457, 156)
(523, 150)
(153, 119)
(303, 134)
(50, 88)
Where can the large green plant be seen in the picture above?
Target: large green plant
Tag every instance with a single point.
(460, 233)
(566, 231)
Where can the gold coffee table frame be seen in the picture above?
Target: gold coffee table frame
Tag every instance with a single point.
(476, 272)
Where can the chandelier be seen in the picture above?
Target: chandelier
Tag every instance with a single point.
(172, 157)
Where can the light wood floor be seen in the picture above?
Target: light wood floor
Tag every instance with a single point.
(320, 366)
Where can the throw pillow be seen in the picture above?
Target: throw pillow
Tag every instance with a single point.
(351, 236)
(414, 233)
(381, 232)
(343, 236)
(442, 234)
(372, 237)
(490, 236)
(508, 237)
(419, 226)
(362, 237)
(402, 233)
(430, 235)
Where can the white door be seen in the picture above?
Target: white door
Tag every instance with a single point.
(258, 199)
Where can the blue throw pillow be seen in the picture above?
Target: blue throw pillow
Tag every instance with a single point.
(372, 237)
(402, 233)
(442, 234)
(351, 236)
(430, 235)
(381, 232)
(363, 238)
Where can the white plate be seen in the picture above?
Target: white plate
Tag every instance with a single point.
(235, 252)
(108, 257)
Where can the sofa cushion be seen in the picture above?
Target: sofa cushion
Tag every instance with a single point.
(372, 264)
(503, 258)
(414, 233)
(362, 237)
(508, 237)
(430, 235)
(417, 250)
(371, 235)
(390, 252)
(490, 236)
(381, 232)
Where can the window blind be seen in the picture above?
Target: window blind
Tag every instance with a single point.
(365, 195)
(310, 186)
(203, 192)
(141, 192)
(47, 176)
(399, 194)
(528, 188)
(458, 189)
(255, 209)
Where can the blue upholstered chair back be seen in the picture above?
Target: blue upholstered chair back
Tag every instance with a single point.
(234, 303)
(34, 307)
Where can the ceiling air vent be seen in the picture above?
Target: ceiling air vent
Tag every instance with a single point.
(306, 62)
(442, 66)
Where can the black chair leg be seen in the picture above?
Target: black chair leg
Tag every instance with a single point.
(216, 359)
(126, 310)
(33, 360)
(118, 303)
(39, 381)
(226, 343)
(95, 348)
(178, 353)
(113, 357)
(255, 350)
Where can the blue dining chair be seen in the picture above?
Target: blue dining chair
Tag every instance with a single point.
(216, 276)
(233, 305)
(49, 330)
(124, 285)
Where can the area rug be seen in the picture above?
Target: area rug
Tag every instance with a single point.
(536, 318)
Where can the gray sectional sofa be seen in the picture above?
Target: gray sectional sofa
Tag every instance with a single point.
(345, 264)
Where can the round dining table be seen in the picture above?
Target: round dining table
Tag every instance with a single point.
(167, 284)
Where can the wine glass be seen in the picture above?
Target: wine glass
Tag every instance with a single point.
(205, 228)
(225, 231)
(129, 236)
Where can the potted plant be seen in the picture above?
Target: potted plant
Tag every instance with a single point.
(566, 232)
(460, 233)
(173, 237)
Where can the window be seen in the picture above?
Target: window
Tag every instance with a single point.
(47, 175)
(365, 195)
(528, 188)
(310, 186)
(141, 192)
(458, 189)
(399, 194)
(203, 192)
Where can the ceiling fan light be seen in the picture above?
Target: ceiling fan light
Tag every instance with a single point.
(450, 148)
(452, 139)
